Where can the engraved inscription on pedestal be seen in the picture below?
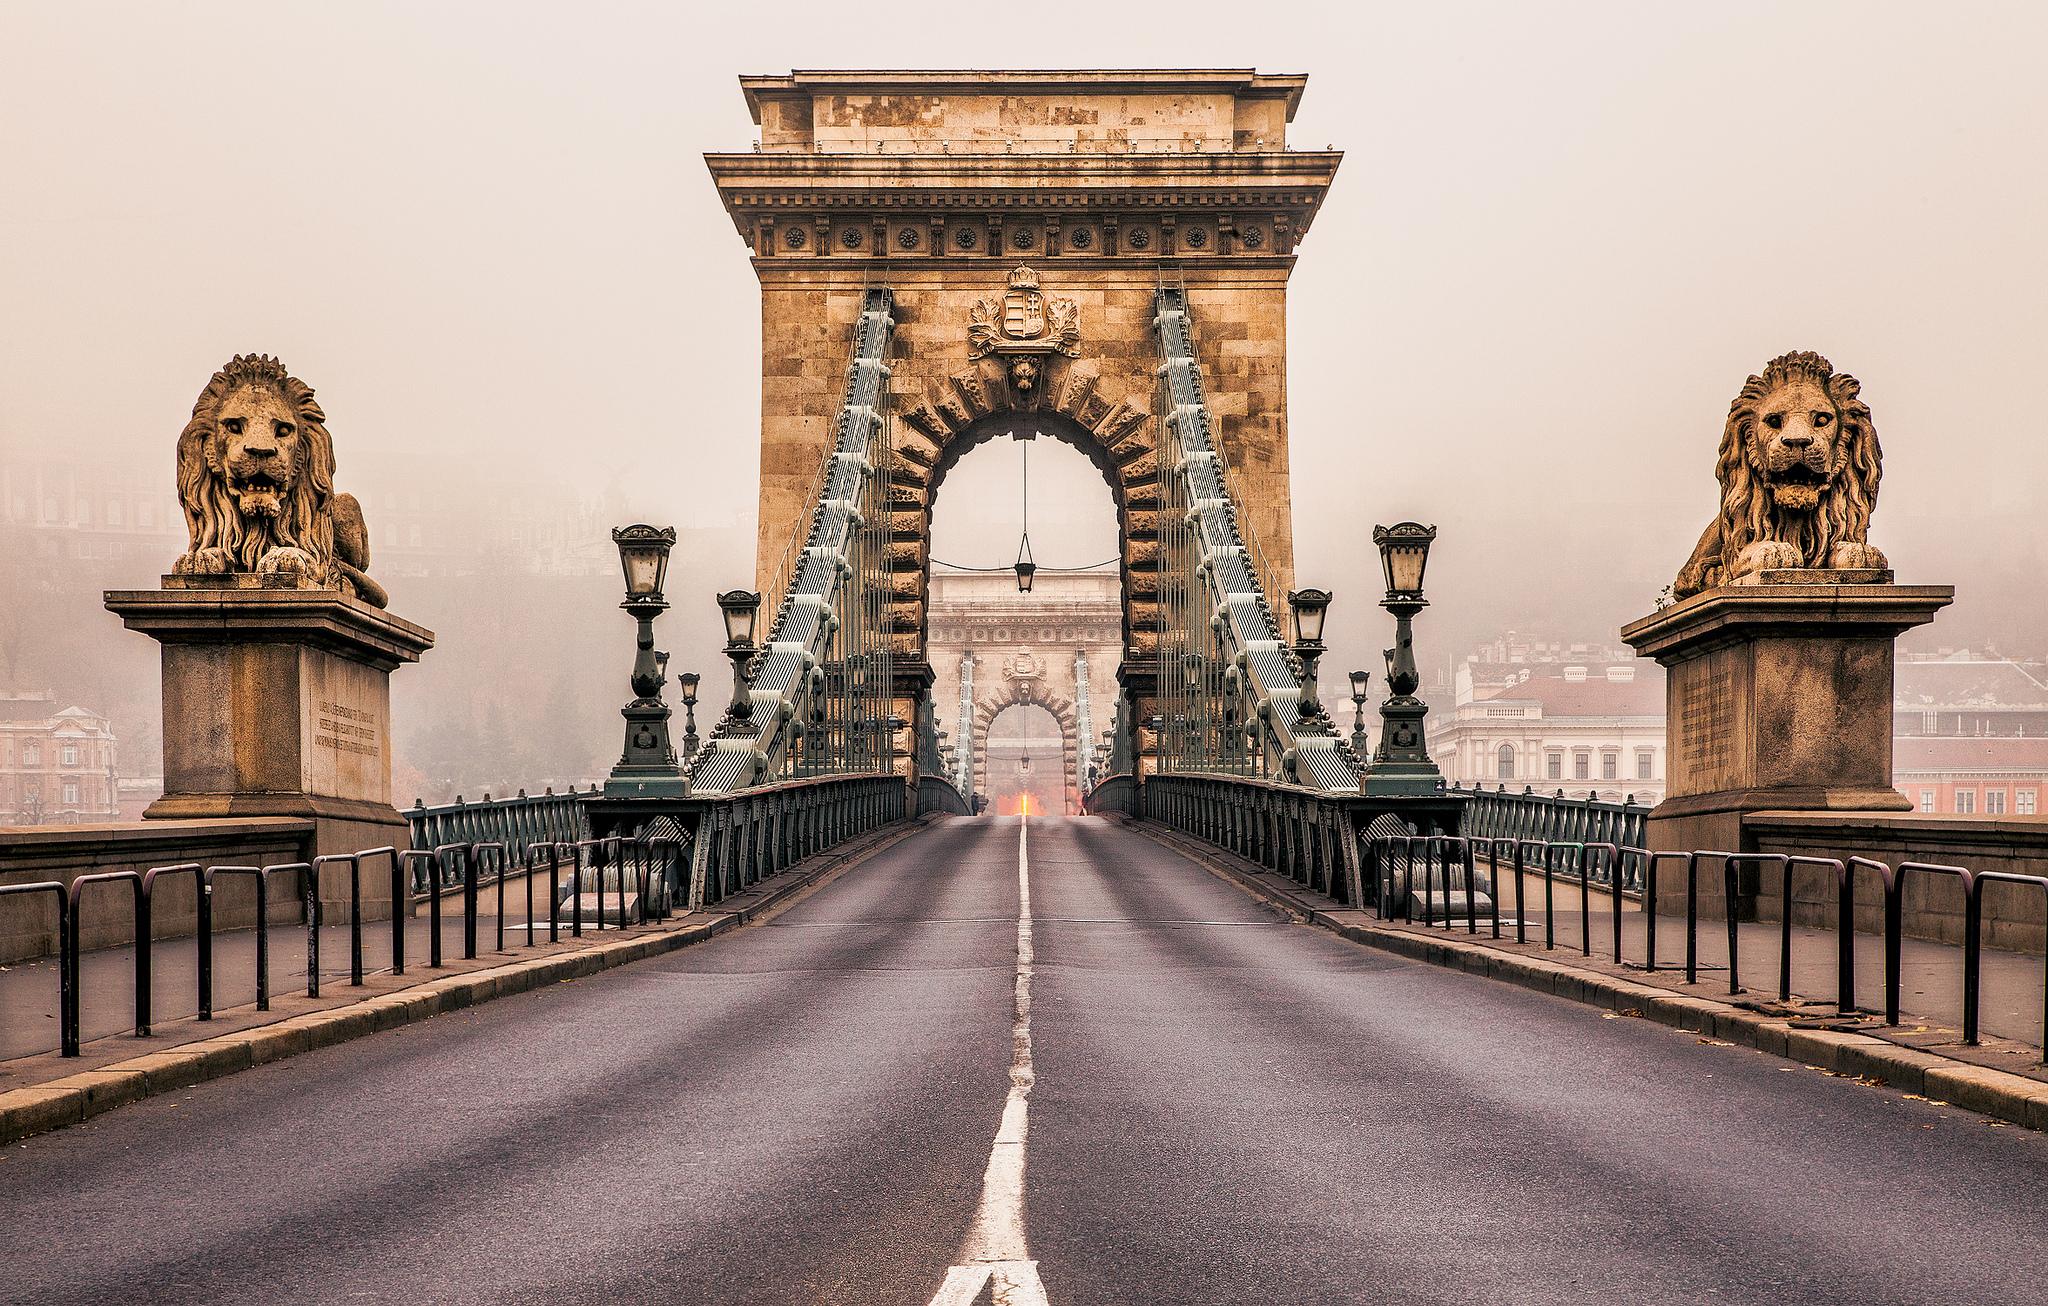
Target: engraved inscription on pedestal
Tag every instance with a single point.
(1706, 723)
(346, 729)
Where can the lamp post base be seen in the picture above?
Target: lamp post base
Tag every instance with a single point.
(1402, 766)
(647, 769)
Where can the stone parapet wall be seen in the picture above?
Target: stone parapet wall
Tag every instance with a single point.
(2015, 916)
(28, 854)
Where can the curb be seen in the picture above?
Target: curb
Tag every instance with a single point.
(1996, 1093)
(43, 1107)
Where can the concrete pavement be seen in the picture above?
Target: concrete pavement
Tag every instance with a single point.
(1224, 1108)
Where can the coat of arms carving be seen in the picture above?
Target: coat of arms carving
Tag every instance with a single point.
(1025, 328)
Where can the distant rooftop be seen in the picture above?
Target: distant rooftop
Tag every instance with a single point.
(1588, 695)
(1969, 683)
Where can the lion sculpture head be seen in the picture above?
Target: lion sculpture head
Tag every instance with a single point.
(256, 479)
(1799, 468)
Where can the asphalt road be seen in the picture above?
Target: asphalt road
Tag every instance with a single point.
(1222, 1107)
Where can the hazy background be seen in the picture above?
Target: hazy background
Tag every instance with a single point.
(1561, 237)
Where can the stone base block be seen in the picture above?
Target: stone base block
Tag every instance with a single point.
(1778, 697)
(277, 702)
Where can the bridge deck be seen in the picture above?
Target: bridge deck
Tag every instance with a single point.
(1223, 1107)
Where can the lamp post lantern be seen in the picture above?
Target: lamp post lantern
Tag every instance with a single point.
(688, 682)
(1310, 607)
(647, 767)
(739, 608)
(1401, 766)
(1359, 681)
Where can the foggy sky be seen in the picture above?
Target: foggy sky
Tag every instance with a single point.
(1561, 237)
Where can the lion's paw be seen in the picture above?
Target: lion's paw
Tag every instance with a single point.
(203, 562)
(287, 562)
(1857, 557)
(1766, 555)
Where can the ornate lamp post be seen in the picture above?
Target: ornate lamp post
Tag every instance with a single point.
(1310, 607)
(688, 682)
(647, 768)
(739, 608)
(1402, 765)
(1359, 680)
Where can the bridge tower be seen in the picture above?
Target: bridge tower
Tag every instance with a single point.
(1025, 222)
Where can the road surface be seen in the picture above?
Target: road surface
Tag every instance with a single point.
(1148, 1090)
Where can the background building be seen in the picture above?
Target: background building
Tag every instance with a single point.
(56, 764)
(1971, 734)
(1970, 729)
(1584, 718)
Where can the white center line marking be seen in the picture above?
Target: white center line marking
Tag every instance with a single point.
(994, 1249)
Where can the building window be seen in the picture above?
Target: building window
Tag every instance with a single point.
(1926, 800)
(2023, 803)
(31, 753)
(1504, 763)
(1646, 765)
(1966, 802)
(1994, 802)
(113, 512)
(71, 793)
(1582, 766)
(1553, 766)
(1610, 766)
(71, 754)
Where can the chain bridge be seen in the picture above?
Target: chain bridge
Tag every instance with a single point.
(1277, 1017)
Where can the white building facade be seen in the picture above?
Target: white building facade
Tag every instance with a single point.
(1588, 727)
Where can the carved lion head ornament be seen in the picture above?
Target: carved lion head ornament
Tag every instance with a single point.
(1799, 469)
(256, 480)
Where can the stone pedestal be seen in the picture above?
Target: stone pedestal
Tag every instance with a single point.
(1778, 697)
(277, 703)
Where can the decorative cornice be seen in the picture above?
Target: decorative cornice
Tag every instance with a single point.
(1021, 198)
(1244, 83)
(982, 170)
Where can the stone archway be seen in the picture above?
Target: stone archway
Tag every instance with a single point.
(1020, 694)
(1041, 383)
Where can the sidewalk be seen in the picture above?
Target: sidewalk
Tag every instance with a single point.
(41, 1090)
(28, 989)
(1930, 974)
(2003, 1076)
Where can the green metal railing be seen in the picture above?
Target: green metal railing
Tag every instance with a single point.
(516, 823)
(1553, 818)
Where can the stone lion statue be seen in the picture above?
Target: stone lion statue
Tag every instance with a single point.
(1799, 468)
(256, 478)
